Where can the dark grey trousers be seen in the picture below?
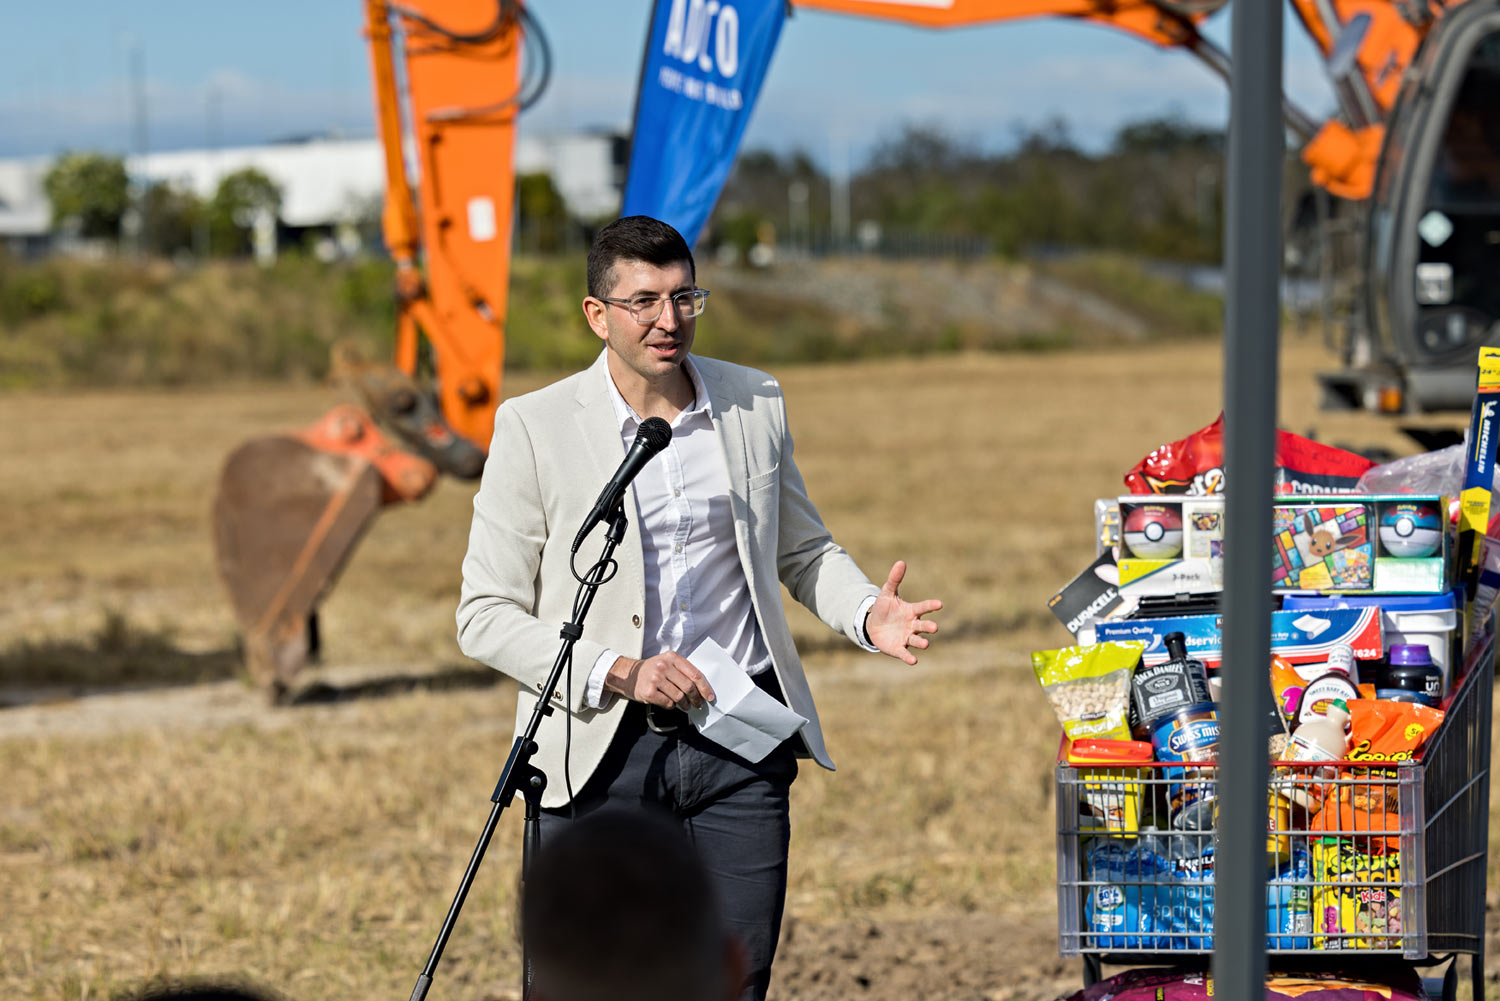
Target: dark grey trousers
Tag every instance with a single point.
(734, 811)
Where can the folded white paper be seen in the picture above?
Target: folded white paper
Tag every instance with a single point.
(742, 718)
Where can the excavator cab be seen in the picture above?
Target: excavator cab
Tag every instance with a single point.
(1432, 244)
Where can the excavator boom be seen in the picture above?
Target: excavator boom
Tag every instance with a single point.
(290, 508)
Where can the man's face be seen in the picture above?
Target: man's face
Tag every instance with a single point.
(653, 348)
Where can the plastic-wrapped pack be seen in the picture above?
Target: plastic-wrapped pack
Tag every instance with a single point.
(1440, 472)
(1121, 912)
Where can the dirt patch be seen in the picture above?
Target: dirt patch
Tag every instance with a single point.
(193, 830)
(972, 957)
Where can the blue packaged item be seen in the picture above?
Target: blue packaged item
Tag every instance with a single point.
(1190, 734)
(1289, 903)
(1187, 919)
(1120, 913)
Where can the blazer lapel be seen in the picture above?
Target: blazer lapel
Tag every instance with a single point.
(731, 435)
(600, 431)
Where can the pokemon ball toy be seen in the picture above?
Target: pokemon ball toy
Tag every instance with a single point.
(1411, 531)
(1154, 532)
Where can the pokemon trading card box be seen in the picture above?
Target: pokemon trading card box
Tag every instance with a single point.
(1395, 544)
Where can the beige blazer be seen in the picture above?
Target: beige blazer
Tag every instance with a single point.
(553, 451)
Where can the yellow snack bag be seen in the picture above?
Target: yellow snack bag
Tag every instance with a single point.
(1361, 909)
(1089, 687)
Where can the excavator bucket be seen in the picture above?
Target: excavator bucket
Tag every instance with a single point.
(288, 513)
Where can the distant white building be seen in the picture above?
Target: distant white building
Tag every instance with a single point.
(25, 213)
(324, 182)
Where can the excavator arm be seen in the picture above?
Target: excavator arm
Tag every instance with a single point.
(290, 508)
(1157, 21)
(1368, 46)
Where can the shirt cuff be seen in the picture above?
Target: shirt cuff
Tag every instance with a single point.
(860, 615)
(594, 696)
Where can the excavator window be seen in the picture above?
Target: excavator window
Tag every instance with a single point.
(1434, 227)
(1459, 228)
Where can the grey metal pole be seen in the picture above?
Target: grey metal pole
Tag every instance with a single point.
(1252, 251)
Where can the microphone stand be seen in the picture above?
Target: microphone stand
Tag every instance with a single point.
(519, 775)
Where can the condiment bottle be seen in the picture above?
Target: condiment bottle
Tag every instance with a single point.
(1335, 683)
(1320, 739)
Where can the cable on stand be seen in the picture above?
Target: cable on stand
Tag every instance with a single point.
(519, 775)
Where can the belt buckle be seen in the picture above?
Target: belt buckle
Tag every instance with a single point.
(670, 720)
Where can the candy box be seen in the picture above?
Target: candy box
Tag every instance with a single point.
(1357, 896)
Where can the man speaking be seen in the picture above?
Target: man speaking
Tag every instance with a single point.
(717, 520)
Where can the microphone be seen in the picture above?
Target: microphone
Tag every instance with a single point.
(652, 437)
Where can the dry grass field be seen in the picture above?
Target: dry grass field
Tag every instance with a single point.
(182, 830)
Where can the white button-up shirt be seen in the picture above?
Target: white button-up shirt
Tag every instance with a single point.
(695, 585)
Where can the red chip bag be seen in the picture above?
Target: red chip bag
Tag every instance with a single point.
(1195, 465)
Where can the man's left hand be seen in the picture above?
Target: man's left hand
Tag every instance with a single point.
(893, 625)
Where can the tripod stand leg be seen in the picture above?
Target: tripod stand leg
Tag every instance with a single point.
(533, 784)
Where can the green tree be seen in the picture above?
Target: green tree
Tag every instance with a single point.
(240, 197)
(89, 190)
(171, 216)
(542, 214)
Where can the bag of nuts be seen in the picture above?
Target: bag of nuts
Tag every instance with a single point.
(1089, 686)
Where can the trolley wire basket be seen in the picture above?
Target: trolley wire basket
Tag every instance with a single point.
(1362, 859)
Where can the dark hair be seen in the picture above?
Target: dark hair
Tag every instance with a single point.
(602, 899)
(634, 238)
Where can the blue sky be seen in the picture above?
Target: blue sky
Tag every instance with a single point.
(282, 68)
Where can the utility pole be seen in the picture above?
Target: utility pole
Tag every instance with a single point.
(211, 145)
(838, 190)
(1252, 330)
(142, 137)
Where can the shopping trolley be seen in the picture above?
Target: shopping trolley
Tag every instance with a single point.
(1367, 864)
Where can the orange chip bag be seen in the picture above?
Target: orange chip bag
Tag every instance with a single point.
(1383, 730)
(1366, 801)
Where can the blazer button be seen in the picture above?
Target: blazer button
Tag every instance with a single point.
(635, 620)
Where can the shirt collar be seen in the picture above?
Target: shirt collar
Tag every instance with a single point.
(625, 414)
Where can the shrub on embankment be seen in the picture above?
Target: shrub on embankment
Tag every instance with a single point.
(70, 323)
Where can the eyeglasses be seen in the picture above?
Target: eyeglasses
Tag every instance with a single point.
(647, 308)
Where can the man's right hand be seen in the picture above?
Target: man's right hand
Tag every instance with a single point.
(666, 680)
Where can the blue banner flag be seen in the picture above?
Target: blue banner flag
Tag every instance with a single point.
(704, 64)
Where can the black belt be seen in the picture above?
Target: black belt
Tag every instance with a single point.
(662, 720)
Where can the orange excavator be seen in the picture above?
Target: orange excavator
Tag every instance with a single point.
(1413, 152)
(290, 508)
(1414, 148)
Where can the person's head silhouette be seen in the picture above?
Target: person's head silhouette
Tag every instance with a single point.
(617, 907)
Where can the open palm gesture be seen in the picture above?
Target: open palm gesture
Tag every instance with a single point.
(894, 624)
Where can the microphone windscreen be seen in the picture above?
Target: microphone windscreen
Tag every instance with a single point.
(654, 434)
